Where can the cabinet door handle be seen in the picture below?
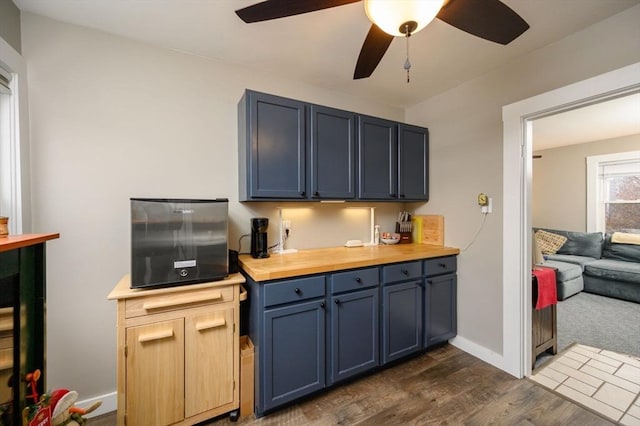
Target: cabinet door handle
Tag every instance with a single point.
(430, 281)
(302, 193)
(316, 194)
(337, 301)
(322, 305)
(184, 300)
(205, 325)
(163, 334)
(392, 195)
(401, 195)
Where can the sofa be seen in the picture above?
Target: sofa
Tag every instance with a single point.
(608, 265)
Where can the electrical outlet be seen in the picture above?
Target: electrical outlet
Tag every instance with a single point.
(286, 228)
(488, 208)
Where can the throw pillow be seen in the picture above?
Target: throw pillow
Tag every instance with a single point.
(548, 242)
(625, 238)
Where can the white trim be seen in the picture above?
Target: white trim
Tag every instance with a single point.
(595, 219)
(478, 351)
(109, 404)
(516, 256)
(18, 150)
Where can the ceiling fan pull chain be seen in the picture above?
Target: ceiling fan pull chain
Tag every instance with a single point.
(407, 64)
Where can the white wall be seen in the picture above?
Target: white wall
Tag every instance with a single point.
(114, 119)
(560, 182)
(465, 126)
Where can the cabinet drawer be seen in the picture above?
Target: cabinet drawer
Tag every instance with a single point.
(439, 266)
(171, 301)
(401, 271)
(293, 291)
(353, 280)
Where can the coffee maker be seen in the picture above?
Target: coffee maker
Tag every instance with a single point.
(259, 249)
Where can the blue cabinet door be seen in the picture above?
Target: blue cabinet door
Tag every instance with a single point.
(413, 168)
(440, 304)
(402, 320)
(272, 147)
(293, 353)
(377, 159)
(354, 333)
(332, 153)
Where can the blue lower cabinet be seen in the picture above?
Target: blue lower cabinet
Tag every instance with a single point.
(440, 294)
(293, 352)
(353, 334)
(402, 320)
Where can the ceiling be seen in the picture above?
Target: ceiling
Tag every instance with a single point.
(604, 120)
(321, 48)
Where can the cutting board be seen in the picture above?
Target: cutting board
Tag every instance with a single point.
(428, 229)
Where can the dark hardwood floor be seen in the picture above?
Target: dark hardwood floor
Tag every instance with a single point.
(443, 386)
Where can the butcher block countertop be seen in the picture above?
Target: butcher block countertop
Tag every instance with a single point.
(317, 261)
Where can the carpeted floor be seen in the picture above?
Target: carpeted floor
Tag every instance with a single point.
(601, 322)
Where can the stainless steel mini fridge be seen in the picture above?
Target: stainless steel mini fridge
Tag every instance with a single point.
(178, 241)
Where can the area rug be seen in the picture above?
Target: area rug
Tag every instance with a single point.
(602, 381)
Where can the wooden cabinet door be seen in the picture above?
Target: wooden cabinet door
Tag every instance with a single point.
(413, 166)
(440, 304)
(354, 333)
(294, 355)
(332, 153)
(155, 373)
(377, 159)
(402, 320)
(209, 364)
(277, 147)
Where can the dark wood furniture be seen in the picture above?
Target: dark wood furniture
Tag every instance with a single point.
(22, 320)
(544, 327)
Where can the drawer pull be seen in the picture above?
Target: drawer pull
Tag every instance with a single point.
(442, 265)
(243, 293)
(185, 300)
(404, 271)
(218, 322)
(358, 280)
(297, 290)
(155, 336)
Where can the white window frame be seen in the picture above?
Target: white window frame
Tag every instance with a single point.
(595, 212)
(14, 144)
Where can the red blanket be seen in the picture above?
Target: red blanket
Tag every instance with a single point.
(547, 293)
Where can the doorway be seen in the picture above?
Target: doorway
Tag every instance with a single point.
(517, 181)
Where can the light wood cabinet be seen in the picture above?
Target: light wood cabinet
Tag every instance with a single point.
(178, 352)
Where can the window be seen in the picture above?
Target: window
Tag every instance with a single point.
(9, 152)
(613, 192)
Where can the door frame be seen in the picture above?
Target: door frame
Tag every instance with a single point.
(516, 192)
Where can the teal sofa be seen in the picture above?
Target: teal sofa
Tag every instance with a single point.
(589, 261)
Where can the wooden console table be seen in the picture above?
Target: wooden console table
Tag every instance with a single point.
(22, 320)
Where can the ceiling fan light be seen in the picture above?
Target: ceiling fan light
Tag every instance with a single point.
(391, 15)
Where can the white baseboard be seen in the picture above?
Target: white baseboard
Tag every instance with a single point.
(486, 355)
(109, 404)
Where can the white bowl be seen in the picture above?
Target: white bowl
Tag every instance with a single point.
(390, 240)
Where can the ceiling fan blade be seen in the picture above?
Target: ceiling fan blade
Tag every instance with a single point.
(273, 9)
(373, 49)
(488, 19)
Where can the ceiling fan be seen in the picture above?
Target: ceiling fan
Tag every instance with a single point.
(488, 19)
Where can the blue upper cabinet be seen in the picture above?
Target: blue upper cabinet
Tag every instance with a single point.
(413, 163)
(292, 150)
(377, 159)
(332, 153)
(272, 148)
